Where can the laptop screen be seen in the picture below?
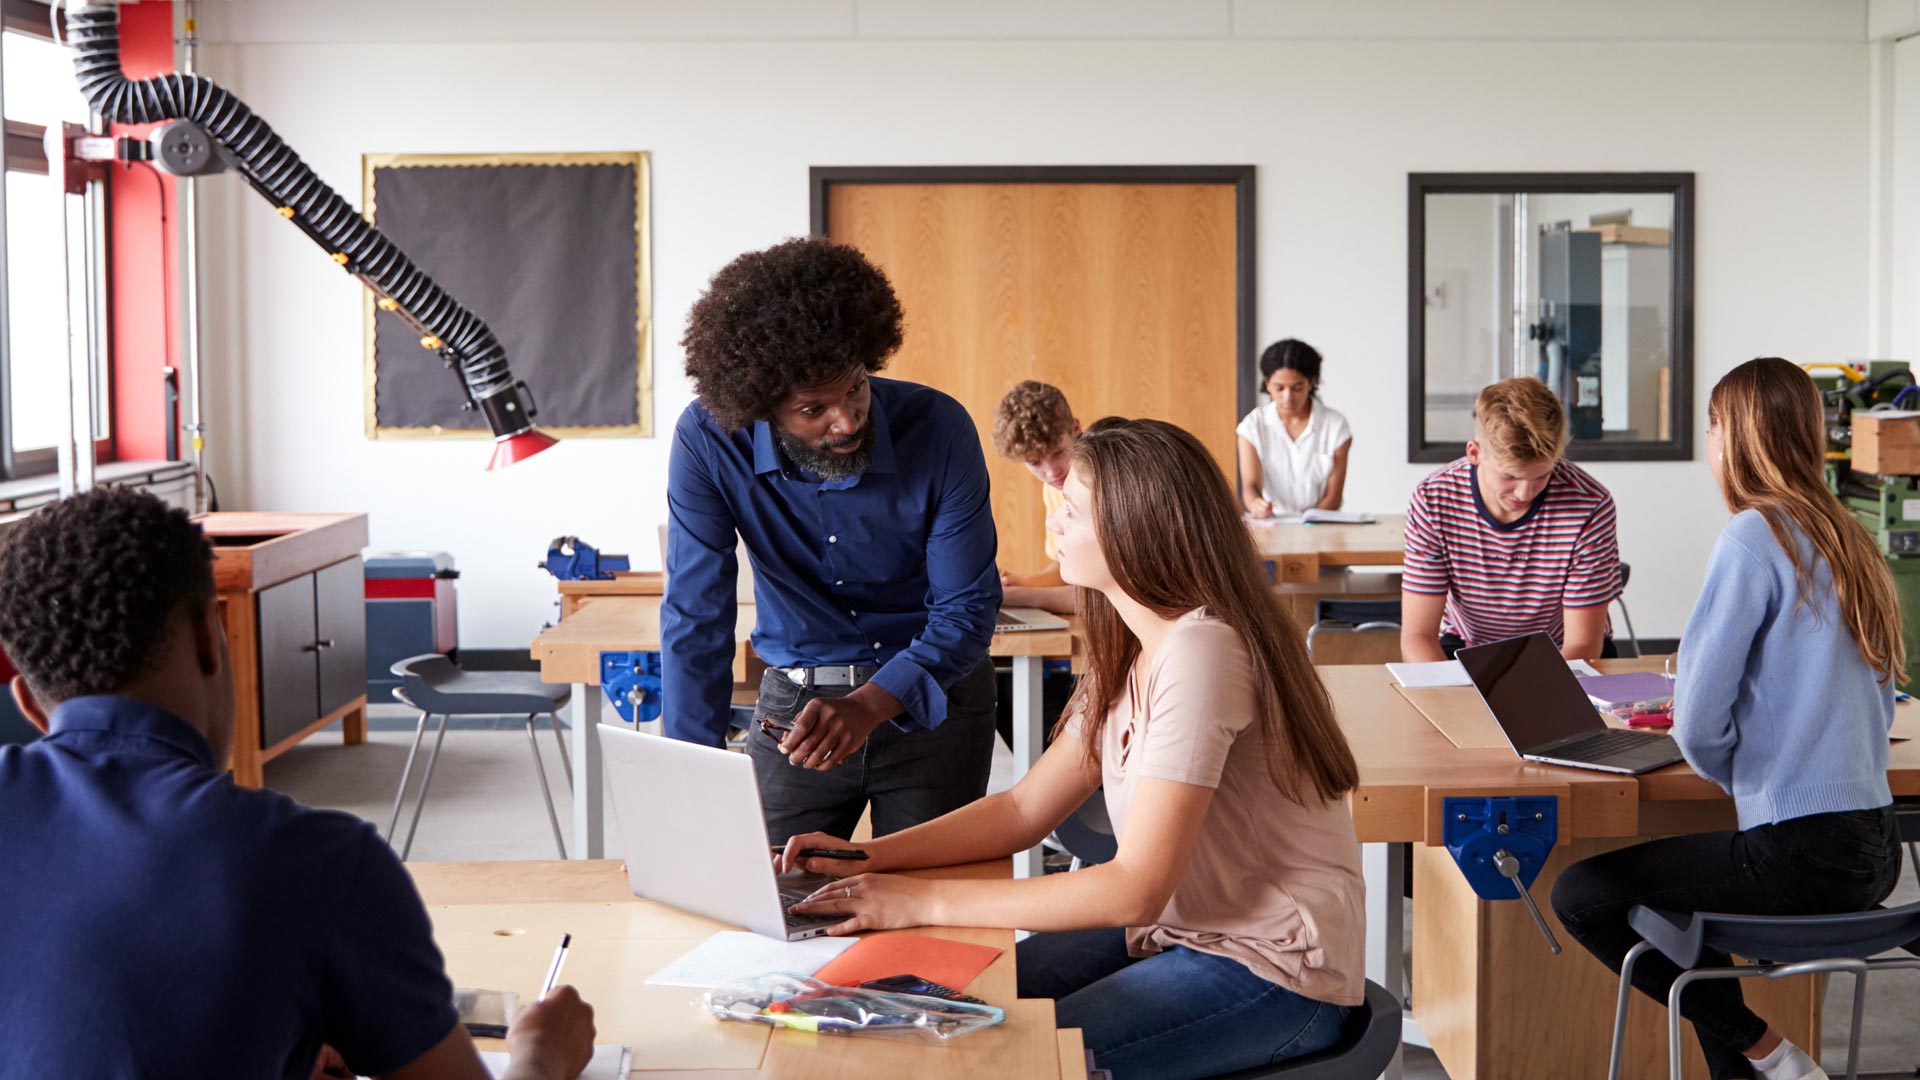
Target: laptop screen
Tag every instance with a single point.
(1530, 690)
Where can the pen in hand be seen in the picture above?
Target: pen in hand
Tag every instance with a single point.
(559, 958)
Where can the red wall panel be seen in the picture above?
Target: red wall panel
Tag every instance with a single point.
(142, 252)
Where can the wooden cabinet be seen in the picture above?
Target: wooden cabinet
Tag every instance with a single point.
(293, 600)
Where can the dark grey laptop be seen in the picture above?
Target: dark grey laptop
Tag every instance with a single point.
(1547, 717)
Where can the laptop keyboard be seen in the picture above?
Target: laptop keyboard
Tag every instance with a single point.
(1601, 744)
(790, 897)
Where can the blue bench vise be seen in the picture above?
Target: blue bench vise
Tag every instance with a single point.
(631, 681)
(1501, 845)
(570, 558)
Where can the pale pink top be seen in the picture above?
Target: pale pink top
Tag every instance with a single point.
(1272, 883)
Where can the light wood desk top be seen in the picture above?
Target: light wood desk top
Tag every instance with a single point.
(497, 924)
(1382, 543)
(1407, 765)
(622, 583)
(570, 651)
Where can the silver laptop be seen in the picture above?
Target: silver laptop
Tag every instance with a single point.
(1544, 714)
(693, 836)
(1014, 619)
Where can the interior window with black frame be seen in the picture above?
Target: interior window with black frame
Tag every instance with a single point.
(1582, 280)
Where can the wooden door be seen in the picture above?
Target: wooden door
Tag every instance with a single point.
(1124, 295)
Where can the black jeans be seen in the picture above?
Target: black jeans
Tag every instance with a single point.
(909, 776)
(1822, 864)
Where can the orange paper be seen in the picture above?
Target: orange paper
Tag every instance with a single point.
(952, 964)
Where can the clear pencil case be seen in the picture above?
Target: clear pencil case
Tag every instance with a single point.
(797, 1003)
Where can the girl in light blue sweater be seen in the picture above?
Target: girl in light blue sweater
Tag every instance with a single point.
(1784, 699)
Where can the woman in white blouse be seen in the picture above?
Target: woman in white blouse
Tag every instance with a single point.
(1293, 450)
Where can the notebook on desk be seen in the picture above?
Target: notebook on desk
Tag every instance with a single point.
(1013, 620)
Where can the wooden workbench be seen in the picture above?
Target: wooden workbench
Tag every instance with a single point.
(1300, 552)
(497, 923)
(292, 598)
(570, 653)
(1487, 993)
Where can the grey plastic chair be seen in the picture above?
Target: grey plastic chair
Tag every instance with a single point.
(1367, 1045)
(1333, 642)
(1626, 572)
(1781, 946)
(436, 686)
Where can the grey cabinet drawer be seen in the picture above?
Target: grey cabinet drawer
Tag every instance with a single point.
(340, 605)
(289, 677)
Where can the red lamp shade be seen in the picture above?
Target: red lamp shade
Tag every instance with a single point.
(513, 449)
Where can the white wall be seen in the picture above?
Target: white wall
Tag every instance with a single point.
(1775, 131)
(1903, 312)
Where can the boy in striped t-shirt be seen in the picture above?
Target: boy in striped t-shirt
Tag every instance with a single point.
(1511, 539)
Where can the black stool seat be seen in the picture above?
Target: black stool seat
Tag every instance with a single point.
(1367, 1044)
(433, 684)
(1781, 939)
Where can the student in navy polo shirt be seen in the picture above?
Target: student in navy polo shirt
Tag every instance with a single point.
(1512, 539)
(863, 505)
(155, 918)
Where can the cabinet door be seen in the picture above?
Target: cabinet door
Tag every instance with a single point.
(289, 678)
(340, 601)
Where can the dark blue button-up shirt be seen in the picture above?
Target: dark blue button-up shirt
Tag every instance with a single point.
(893, 567)
(158, 920)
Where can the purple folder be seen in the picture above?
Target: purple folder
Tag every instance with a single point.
(1606, 690)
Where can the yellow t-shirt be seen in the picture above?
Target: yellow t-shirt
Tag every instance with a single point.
(1052, 497)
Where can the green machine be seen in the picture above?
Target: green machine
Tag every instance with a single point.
(1889, 506)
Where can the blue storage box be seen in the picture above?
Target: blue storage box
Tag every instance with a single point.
(410, 611)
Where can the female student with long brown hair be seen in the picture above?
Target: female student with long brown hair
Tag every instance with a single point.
(1227, 931)
(1784, 698)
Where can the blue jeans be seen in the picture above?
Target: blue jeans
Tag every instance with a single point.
(1179, 1013)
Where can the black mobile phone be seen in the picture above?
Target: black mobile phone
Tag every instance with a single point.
(914, 984)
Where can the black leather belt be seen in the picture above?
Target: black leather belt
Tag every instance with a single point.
(830, 674)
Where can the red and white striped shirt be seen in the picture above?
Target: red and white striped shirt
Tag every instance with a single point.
(1503, 581)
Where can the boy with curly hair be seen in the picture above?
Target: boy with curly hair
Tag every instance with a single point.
(1035, 427)
(863, 505)
(155, 918)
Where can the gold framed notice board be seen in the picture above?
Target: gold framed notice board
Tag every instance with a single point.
(553, 252)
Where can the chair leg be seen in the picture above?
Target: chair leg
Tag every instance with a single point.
(433, 758)
(1628, 619)
(559, 740)
(540, 771)
(1675, 1067)
(1620, 1009)
(419, 729)
(1859, 1013)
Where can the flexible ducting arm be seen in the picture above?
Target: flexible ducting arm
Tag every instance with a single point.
(276, 172)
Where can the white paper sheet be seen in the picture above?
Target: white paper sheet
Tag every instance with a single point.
(609, 1063)
(733, 954)
(1450, 673)
(1437, 673)
(1338, 517)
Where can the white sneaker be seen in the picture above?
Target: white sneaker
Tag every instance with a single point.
(1794, 1065)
